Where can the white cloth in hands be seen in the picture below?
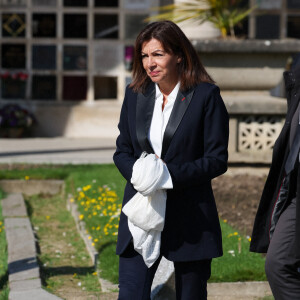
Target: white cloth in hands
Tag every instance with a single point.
(146, 209)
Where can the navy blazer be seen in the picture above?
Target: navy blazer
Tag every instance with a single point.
(195, 151)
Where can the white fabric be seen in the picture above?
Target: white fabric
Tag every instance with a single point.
(146, 209)
(161, 118)
(158, 126)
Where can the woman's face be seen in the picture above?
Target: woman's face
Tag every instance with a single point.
(160, 66)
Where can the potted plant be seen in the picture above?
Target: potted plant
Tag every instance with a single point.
(15, 121)
(223, 14)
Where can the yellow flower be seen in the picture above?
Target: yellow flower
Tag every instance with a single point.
(26, 177)
(72, 200)
(235, 233)
(86, 188)
(249, 239)
(74, 275)
(96, 240)
(81, 217)
(225, 221)
(89, 237)
(95, 273)
(47, 217)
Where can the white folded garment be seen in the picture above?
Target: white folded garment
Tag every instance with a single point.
(146, 209)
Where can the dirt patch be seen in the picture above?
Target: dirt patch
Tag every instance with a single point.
(237, 197)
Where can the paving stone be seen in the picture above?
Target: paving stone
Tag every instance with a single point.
(32, 187)
(240, 289)
(35, 294)
(22, 262)
(20, 239)
(25, 285)
(13, 206)
(23, 269)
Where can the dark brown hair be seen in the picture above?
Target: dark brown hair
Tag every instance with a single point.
(191, 71)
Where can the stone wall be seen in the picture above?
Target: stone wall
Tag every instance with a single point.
(249, 73)
(256, 119)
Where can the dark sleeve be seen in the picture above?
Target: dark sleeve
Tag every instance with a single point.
(214, 160)
(124, 155)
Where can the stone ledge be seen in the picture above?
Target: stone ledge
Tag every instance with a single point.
(253, 102)
(247, 46)
(32, 187)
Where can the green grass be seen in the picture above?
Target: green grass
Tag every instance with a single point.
(110, 266)
(65, 263)
(78, 176)
(237, 263)
(242, 266)
(4, 290)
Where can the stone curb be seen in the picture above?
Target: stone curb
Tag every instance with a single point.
(106, 285)
(239, 290)
(24, 274)
(163, 273)
(32, 187)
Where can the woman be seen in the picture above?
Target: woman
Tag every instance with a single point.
(173, 109)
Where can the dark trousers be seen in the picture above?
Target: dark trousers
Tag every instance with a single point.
(281, 268)
(135, 279)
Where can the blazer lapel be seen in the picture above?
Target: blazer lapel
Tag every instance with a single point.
(144, 112)
(180, 106)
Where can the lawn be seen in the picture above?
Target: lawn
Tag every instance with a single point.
(98, 189)
(237, 263)
(3, 258)
(66, 267)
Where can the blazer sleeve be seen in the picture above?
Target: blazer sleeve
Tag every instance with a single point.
(124, 156)
(214, 160)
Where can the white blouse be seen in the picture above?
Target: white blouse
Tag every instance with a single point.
(158, 126)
